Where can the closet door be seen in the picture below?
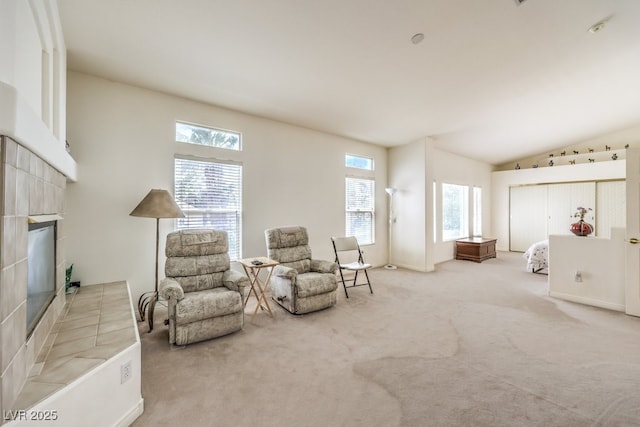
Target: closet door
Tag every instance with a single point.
(610, 206)
(563, 203)
(527, 216)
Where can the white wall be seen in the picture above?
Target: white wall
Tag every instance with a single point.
(616, 140)
(502, 180)
(412, 170)
(407, 165)
(33, 80)
(123, 139)
(601, 263)
(34, 59)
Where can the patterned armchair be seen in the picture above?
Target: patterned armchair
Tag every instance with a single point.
(205, 297)
(299, 284)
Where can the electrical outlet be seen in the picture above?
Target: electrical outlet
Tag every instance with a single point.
(578, 276)
(125, 372)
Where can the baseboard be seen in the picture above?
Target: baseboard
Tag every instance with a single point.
(588, 301)
(129, 417)
(411, 267)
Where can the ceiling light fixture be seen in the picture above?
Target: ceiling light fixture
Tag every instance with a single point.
(417, 38)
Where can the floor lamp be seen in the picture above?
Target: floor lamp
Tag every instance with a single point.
(157, 204)
(390, 191)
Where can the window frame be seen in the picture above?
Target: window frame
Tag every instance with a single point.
(370, 210)
(235, 234)
(476, 214)
(210, 128)
(463, 218)
(357, 156)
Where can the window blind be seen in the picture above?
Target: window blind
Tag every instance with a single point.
(210, 195)
(360, 204)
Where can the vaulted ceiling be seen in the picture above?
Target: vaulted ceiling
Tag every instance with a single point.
(492, 80)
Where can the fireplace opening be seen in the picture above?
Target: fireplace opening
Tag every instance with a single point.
(41, 266)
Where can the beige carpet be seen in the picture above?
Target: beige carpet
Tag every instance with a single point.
(468, 345)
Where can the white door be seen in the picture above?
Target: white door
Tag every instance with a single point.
(611, 207)
(527, 216)
(564, 200)
(632, 300)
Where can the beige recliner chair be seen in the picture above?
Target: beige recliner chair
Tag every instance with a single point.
(205, 297)
(299, 284)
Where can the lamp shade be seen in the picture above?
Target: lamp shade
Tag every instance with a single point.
(157, 204)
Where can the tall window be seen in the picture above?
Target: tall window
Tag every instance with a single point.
(477, 211)
(435, 212)
(360, 203)
(211, 137)
(210, 195)
(455, 211)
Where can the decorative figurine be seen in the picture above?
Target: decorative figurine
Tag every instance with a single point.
(614, 156)
(572, 162)
(591, 150)
(517, 166)
(607, 148)
(550, 162)
(592, 160)
(534, 166)
(562, 153)
(576, 152)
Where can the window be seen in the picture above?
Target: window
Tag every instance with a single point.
(435, 212)
(211, 137)
(360, 202)
(455, 211)
(358, 162)
(210, 195)
(477, 211)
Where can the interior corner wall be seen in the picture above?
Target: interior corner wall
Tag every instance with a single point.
(413, 168)
(123, 139)
(454, 169)
(407, 169)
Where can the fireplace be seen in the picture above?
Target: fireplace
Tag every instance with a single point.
(32, 192)
(41, 270)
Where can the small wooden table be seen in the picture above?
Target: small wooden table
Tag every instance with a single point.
(252, 267)
(475, 249)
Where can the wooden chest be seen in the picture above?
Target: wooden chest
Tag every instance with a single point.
(475, 249)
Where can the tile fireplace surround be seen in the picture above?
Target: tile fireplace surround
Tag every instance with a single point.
(30, 186)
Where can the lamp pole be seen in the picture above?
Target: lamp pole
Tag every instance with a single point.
(157, 204)
(390, 191)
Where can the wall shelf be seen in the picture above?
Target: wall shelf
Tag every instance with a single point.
(575, 159)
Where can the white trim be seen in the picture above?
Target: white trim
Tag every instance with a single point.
(34, 219)
(588, 301)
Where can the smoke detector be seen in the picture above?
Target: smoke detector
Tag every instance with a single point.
(597, 27)
(417, 38)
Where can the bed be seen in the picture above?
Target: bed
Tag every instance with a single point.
(537, 257)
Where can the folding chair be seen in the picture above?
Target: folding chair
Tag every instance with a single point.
(348, 248)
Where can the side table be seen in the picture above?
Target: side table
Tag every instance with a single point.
(252, 267)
